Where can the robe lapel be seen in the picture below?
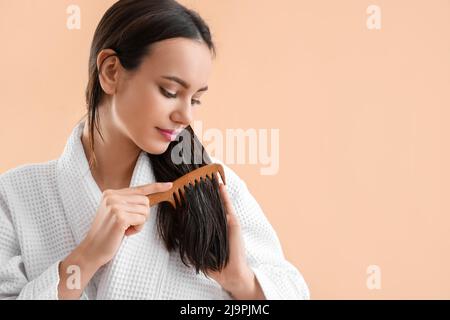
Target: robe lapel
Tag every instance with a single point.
(80, 194)
(123, 276)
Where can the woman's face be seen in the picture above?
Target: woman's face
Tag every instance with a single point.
(163, 94)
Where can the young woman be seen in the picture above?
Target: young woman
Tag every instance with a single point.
(81, 226)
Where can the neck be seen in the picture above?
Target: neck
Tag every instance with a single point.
(116, 156)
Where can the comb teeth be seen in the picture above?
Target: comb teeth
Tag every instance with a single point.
(176, 195)
(194, 178)
(179, 194)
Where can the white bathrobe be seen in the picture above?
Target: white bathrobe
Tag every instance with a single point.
(46, 210)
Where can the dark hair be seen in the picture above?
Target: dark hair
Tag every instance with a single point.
(198, 227)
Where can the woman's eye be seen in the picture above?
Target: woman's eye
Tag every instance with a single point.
(173, 95)
(167, 93)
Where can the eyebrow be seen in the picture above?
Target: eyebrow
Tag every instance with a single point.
(182, 82)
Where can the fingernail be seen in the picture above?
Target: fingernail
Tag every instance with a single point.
(167, 184)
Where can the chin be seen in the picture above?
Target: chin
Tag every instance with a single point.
(156, 148)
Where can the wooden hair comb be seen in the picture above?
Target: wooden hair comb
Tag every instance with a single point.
(176, 194)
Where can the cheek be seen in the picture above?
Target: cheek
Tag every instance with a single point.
(142, 104)
(139, 111)
(154, 108)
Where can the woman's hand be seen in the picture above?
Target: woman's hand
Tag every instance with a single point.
(121, 212)
(237, 277)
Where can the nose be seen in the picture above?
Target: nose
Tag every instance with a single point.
(183, 114)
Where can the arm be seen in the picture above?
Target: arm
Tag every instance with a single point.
(14, 283)
(277, 277)
(67, 289)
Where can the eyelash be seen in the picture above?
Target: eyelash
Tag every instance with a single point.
(167, 94)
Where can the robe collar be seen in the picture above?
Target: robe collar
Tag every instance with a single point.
(80, 193)
(81, 197)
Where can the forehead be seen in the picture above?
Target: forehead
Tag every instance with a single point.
(188, 59)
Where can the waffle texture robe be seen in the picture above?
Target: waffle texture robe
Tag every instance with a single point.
(46, 210)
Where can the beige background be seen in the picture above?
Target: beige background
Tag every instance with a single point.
(363, 118)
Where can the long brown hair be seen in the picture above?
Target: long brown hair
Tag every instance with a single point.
(198, 227)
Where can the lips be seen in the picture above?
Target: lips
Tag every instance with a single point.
(168, 134)
(171, 132)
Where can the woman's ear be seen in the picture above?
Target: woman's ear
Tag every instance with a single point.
(108, 64)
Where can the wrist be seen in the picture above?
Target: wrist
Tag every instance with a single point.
(247, 287)
(83, 260)
(75, 272)
(86, 258)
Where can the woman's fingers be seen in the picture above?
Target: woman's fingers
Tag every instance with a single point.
(225, 197)
(149, 188)
(133, 230)
(124, 220)
(231, 216)
(134, 199)
(134, 208)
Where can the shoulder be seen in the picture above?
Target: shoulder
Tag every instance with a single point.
(26, 180)
(28, 173)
